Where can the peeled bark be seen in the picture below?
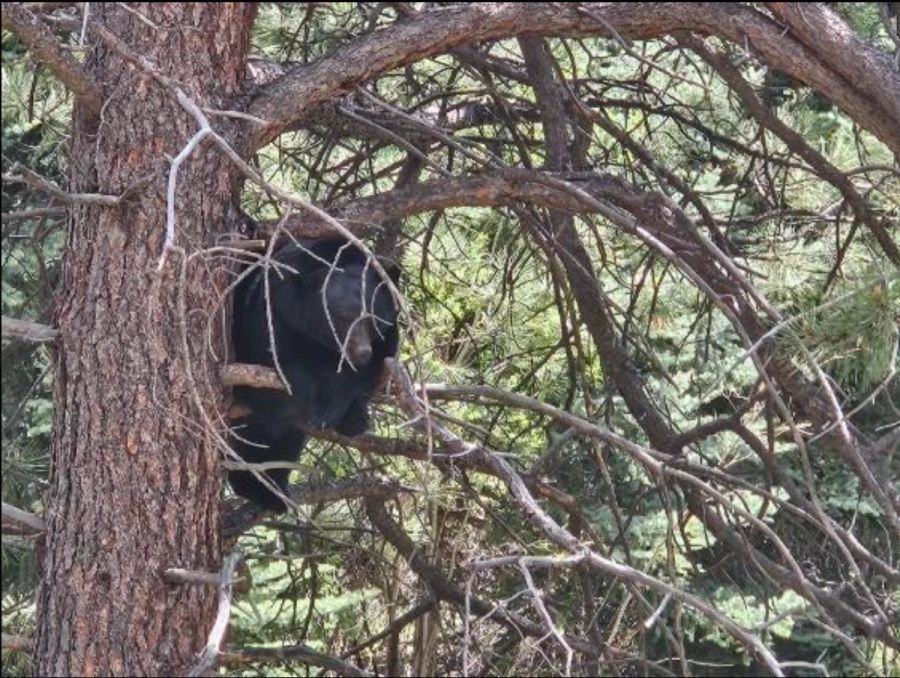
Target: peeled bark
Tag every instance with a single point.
(135, 481)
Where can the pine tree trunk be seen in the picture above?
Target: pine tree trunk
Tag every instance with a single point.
(135, 480)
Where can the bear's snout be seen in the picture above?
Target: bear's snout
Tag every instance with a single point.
(359, 348)
(362, 355)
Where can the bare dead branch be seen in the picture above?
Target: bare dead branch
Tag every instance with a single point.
(29, 215)
(25, 330)
(217, 634)
(17, 643)
(20, 521)
(37, 181)
(559, 535)
(176, 575)
(291, 653)
(445, 590)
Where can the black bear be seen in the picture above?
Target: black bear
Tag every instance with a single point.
(334, 322)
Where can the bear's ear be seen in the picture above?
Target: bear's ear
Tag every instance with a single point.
(391, 268)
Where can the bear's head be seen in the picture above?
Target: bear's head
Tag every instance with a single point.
(340, 301)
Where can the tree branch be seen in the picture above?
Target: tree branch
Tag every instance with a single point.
(288, 99)
(861, 67)
(376, 487)
(291, 653)
(19, 521)
(444, 589)
(25, 330)
(37, 181)
(43, 44)
(797, 143)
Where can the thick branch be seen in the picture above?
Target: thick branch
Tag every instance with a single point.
(290, 98)
(862, 67)
(565, 244)
(496, 190)
(257, 376)
(46, 49)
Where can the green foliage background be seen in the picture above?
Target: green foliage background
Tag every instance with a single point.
(486, 312)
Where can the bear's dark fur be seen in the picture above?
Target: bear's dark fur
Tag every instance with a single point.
(327, 390)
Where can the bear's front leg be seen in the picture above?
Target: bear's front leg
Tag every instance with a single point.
(356, 419)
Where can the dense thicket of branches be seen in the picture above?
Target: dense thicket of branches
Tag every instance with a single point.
(645, 418)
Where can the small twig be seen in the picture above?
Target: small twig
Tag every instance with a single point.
(538, 598)
(170, 188)
(650, 621)
(210, 653)
(401, 622)
(627, 47)
(140, 16)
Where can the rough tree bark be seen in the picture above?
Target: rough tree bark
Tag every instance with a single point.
(135, 485)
